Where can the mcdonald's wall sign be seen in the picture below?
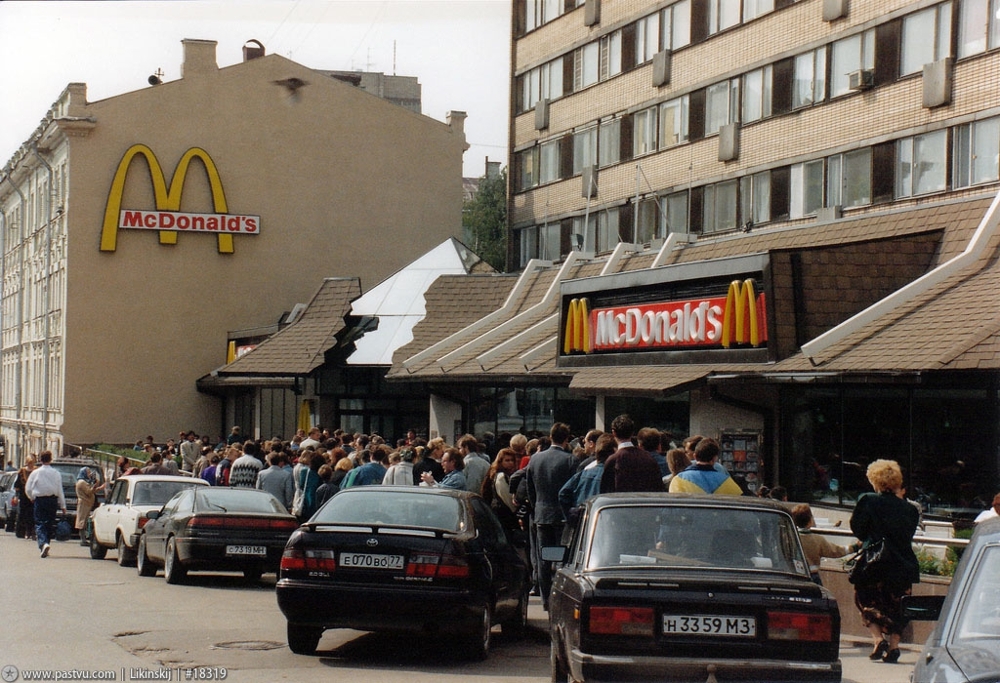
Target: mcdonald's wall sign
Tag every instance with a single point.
(166, 218)
(721, 318)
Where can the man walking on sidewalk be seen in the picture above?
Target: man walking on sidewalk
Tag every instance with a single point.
(45, 490)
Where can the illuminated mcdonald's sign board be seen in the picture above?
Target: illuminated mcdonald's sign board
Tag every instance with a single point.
(737, 320)
(167, 218)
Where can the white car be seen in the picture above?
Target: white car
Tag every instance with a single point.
(117, 522)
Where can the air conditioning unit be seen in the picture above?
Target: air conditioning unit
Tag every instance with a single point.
(862, 79)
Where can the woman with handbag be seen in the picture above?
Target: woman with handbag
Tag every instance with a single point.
(885, 521)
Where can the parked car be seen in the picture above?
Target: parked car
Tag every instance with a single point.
(69, 468)
(965, 643)
(403, 559)
(117, 523)
(215, 528)
(662, 587)
(8, 497)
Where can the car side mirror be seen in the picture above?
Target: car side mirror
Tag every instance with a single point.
(152, 514)
(554, 553)
(922, 607)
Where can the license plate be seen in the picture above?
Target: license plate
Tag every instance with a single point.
(256, 550)
(709, 625)
(371, 561)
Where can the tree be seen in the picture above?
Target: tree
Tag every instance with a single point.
(484, 220)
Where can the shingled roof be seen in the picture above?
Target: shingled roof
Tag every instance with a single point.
(520, 338)
(299, 348)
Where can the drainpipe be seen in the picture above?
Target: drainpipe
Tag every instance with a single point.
(980, 239)
(19, 321)
(47, 280)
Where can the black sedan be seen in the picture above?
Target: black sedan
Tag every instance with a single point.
(402, 559)
(965, 644)
(661, 587)
(216, 528)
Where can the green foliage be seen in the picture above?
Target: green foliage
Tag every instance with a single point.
(955, 553)
(115, 451)
(934, 566)
(484, 220)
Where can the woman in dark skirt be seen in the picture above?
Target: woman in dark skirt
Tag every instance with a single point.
(886, 514)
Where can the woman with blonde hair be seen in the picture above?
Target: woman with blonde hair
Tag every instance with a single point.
(886, 515)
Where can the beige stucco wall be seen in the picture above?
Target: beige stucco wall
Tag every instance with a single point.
(344, 184)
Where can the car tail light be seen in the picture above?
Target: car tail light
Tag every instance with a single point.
(296, 559)
(622, 621)
(799, 626)
(141, 521)
(222, 522)
(430, 565)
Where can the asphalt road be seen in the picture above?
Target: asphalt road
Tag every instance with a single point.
(75, 616)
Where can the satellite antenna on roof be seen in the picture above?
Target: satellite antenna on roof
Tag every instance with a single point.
(156, 78)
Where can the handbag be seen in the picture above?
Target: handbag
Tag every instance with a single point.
(870, 564)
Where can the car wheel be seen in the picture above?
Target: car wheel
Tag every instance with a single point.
(97, 551)
(302, 639)
(559, 672)
(126, 556)
(253, 573)
(516, 625)
(479, 643)
(143, 564)
(173, 570)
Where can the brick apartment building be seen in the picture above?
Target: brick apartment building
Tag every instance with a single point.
(765, 221)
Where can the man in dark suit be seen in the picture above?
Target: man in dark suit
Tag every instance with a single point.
(629, 468)
(546, 473)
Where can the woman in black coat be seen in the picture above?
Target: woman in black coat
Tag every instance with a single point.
(886, 514)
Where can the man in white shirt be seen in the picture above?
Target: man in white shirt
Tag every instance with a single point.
(991, 512)
(44, 488)
(313, 441)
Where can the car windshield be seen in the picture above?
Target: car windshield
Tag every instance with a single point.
(69, 471)
(678, 536)
(214, 499)
(979, 613)
(396, 508)
(156, 492)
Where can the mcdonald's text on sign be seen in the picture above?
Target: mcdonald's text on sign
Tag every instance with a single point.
(167, 218)
(188, 222)
(739, 318)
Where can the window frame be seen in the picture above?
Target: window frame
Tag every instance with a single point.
(914, 42)
(908, 154)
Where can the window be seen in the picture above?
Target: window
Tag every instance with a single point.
(538, 12)
(920, 164)
(644, 132)
(849, 55)
(849, 179)
(543, 82)
(609, 142)
(529, 244)
(674, 122)
(809, 78)
(647, 38)
(586, 66)
(978, 26)
(584, 149)
(548, 242)
(528, 168)
(548, 162)
(977, 153)
(677, 212)
(756, 8)
(757, 94)
(600, 233)
(677, 25)
(648, 220)
(926, 38)
(611, 55)
(720, 207)
(722, 14)
(755, 198)
(806, 188)
(721, 105)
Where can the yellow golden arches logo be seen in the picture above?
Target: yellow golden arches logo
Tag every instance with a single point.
(167, 198)
(740, 322)
(577, 335)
